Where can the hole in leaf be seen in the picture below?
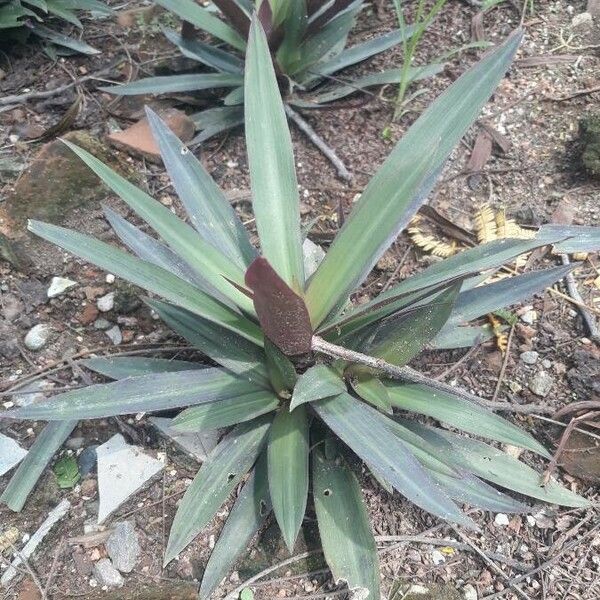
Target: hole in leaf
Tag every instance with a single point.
(184, 150)
(230, 476)
(327, 492)
(263, 508)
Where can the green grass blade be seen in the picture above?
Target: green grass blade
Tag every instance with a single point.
(206, 205)
(402, 183)
(460, 413)
(31, 468)
(170, 84)
(146, 393)
(208, 260)
(190, 11)
(287, 452)
(120, 367)
(275, 196)
(219, 475)
(369, 434)
(147, 276)
(224, 413)
(344, 527)
(245, 519)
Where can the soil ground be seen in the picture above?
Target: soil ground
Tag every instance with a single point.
(536, 110)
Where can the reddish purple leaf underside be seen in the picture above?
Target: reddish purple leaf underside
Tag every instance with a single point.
(282, 313)
(235, 15)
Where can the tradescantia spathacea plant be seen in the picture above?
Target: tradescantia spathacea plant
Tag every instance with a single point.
(298, 384)
(308, 44)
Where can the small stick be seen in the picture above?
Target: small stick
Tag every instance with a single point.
(319, 142)
(588, 318)
(504, 364)
(20, 98)
(412, 376)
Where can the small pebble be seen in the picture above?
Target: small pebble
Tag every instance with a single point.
(106, 303)
(123, 546)
(38, 336)
(469, 592)
(115, 335)
(547, 364)
(437, 557)
(87, 460)
(110, 278)
(107, 575)
(501, 520)
(59, 285)
(102, 324)
(541, 384)
(529, 317)
(530, 357)
(530, 521)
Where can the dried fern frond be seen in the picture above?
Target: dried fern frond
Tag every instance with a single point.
(485, 224)
(431, 244)
(8, 539)
(508, 228)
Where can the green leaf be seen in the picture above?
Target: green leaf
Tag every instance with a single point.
(288, 471)
(460, 413)
(189, 11)
(31, 468)
(485, 299)
(497, 466)
(224, 413)
(401, 338)
(62, 40)
(198, 252)
(209, 210)
(317, 383)
(401, 185)
(218, 477)
(212, 121)
(170, 84)
(148, 276)
(580, 238)
(275, 196)
(246, 517)
(282, 372)
(371, 390)
(208, 55)
(67, 473)
(233, 352)
(344, 527)
(462, 337)
(120, 367)
(373, 79)
(369, 434)
(146, 393)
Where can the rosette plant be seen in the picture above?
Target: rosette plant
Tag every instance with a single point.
(301, 382)
(21, 20)
(307, 40)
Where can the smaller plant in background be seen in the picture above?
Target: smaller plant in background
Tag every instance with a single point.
(23, 20)
(308, 42)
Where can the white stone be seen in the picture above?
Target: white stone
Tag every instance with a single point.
(530, 521)
(123, 470)
(110, 278)
(115, 335)
(501, 520)
(107, 575)
(106, 303)
(11, 454)
(529, 317)
(59, 285)
(469, 592)
(123, 546)
(541, 384)
(55, 515)
(38, 336)
(530, 357)
(313, 255)
(197, 445)
(437, 557)
(583, 19)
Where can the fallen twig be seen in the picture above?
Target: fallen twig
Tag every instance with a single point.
(412, 376)
(575, 94)
(588, 318)
(320, 143)
(504, 364)
(20, 98)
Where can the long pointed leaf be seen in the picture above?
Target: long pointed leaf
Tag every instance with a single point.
(388, 202)
(146, 393)
(461, 414)
(246, 517)
(120, 367)
(369, 435)
(208, 208)
(317, 383)
(344, 526)
(288, 471)
(217, 478)
(224, 413)
(31, 468)
(170, 84)
(148, 276)
(190, 11)
(271, 159)
(199, 253)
